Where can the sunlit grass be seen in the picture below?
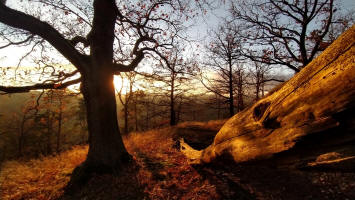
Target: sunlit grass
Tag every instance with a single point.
(39, 178)
(164, 171)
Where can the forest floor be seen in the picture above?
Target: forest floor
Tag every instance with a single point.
(164, 173)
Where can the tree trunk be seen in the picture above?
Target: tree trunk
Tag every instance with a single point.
(135, 112)
(178, 115)
(126, 116)
(107, 153)
(231, 98)
(172, 103)
(257, 85)
(240, 92)
(147, 115)
(218, 107)
(21, 137)
(311, 115)
(49, 134)
(106, 149)
(59, 131)
(262, 86)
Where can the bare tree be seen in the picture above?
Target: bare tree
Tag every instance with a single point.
(239, 82)
(57, 106)
(129, 30)
(126, 96)
(259, 77)
(286, 32)
(175, 72)
(223, 56)
(170, 80)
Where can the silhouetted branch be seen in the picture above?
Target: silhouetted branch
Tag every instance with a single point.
(117, 67)
(79, 39)
(29, 23)
(21, 89)
(17, 43)
(273, 79)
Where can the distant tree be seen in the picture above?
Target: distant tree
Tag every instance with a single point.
(60, 119)
(217, 103)
(81, 122)
(287, 32)
(223, 57)
(55, 103)
(26, 122)
(136, 109)
(239, 80)
(259, 77)
(171, 77)
(126, 96)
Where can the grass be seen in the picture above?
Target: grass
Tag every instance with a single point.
(39, 179)
(164, 172)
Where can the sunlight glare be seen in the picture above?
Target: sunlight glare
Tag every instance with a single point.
(117, 81)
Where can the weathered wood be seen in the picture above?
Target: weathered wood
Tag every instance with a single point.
(316, 107)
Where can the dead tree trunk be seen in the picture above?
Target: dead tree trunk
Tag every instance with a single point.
(314, 111)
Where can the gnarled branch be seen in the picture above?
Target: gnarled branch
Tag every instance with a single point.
(117, 67)
(79, 39)
(22, 89)
(29, 23)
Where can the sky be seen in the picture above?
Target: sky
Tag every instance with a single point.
(11, 55)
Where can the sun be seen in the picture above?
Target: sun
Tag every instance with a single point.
(121, 84)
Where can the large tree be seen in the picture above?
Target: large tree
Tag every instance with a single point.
(287, 32)
(120, 33)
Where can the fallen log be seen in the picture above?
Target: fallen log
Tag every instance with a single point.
(311, 114)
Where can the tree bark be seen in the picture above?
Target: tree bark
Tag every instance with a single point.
(231, 97)
(106, 149)
(59, 131)
(172, 102)
(126, 117)
(48, 150)
(21, 136)
(240, 92)
(308, 116)
(107, 153)
(135, 112)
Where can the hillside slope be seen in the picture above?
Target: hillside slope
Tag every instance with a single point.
(163, 173)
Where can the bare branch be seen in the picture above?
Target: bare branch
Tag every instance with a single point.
(29, 38)
(29, 23)
(21, 89)
(79, 39)
(117, 67)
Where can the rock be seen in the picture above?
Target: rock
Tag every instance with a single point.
(311, 114)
